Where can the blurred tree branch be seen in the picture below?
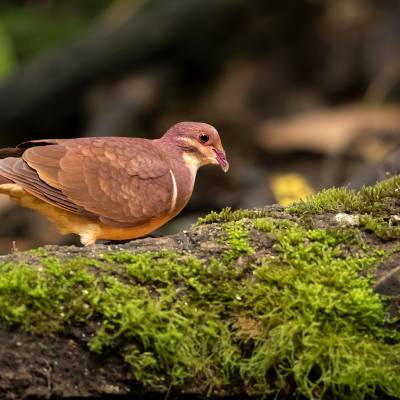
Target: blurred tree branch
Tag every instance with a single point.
(162, 30)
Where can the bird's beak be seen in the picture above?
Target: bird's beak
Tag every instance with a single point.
(220, 157)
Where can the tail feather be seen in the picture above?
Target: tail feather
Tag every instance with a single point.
(20, 149)
(4, 180)
(11, 152)
(7, 152)
(3, 176)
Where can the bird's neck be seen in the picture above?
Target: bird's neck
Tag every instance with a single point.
(183, 166)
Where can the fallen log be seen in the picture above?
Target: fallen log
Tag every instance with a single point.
(288, 302)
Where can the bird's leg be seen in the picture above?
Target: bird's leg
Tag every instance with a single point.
(87, 239)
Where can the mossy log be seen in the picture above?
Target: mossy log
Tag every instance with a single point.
(298, 302)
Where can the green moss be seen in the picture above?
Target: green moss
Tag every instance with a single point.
(227, 215)
(163, 304)
(171, 313)
(384, 229)
(263, 224)
(43, 298)
(378, 199)
(303, 320)
(40, 251)
(238, 241)
(334, 199)
(373, 204)
(323, 325)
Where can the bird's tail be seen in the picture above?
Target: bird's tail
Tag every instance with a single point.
(4, 180)
(11, 152)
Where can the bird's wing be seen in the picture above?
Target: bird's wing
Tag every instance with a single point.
(17, 170)
(122, 181)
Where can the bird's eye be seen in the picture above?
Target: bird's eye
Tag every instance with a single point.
(204, 138)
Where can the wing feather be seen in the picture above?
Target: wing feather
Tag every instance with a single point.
(16, 170)
(121, 181)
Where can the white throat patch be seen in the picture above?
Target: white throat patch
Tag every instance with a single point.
(193, 163)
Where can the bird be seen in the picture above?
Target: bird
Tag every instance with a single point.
(110, 188)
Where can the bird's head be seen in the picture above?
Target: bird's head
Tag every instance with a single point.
(199, 142)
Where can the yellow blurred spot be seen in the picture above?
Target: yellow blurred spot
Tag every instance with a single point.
(289, 188)
(7, 56)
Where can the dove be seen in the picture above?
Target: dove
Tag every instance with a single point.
(110, 188)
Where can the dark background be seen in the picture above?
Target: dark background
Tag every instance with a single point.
(303, 92)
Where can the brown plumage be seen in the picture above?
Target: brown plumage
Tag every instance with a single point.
(112, 188)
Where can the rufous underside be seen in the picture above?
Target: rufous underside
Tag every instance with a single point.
(66, 222)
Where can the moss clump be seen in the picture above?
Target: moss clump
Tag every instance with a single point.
(379, 199)
(384, 229)
(323, 325)
(334, 199)
(43, 298)
(227, 215)
(237, 240)
(263, 224)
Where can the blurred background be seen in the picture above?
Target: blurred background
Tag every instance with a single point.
(305, 93)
